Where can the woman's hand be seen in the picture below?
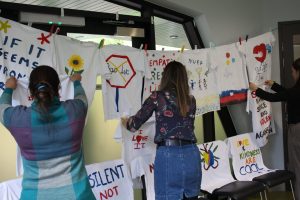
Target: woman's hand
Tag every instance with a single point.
(269, 83)
(252, 86)
(124, 121)
(75, 77)
(11, 83)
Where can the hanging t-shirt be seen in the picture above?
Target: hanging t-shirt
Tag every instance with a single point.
(231, 74)
(122, 70)
(216, 170)
(156, 62)
(110, 180)
(258, 52)
(74, 56)
(202, 80)
(23, 48)
(145, 166)
(262, 120)
(139, 143)
(247, 160)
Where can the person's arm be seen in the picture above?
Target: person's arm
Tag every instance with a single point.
(272, 97)
(6, 97)
(79, 92)
(134, 122)
(277, 88)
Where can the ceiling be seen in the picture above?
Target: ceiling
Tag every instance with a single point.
(163, 28)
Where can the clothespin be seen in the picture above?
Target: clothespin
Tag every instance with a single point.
(57, 30)
(211, 45)
(162, 49)
(146, 48)
(101, 44)
(195, 47)
(29, 24)
(141, 47)
(240, 40)
(182, 49)
(52, 29)
(62, 12)
(246, 38)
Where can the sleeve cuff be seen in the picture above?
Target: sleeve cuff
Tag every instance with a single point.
(77, 82)
(8, 90)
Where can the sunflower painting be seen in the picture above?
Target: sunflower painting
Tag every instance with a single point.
(75, 62)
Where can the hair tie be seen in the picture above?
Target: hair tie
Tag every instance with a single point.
(41, 87)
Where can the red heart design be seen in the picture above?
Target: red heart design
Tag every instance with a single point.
(139, 138)
(260, 49)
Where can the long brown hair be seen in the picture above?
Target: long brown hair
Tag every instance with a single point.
(175, 78)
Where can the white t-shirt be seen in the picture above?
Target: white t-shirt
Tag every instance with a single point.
(122, 70)
(258, 51)
(202, 80)
(262, 119)
(110, 180)
(139, 143)
(145, 166)
(74, 56)
(22, 50)
(215, 165)
(231, 73)
(156, 62)
(247, 159)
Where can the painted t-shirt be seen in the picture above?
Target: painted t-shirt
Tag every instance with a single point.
(216, 170)
(247, 159)
(156, 62)
(231, 74)
(202, 80)
(262, 119)
(139, 143)
(73, 56)
(23, 48)
(122, 70)
(258, 52)
(258, 55)
(145, 166)
(110, 180)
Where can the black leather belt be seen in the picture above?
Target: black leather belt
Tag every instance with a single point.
(175, 142)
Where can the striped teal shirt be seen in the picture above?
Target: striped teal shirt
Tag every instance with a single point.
(51, 149)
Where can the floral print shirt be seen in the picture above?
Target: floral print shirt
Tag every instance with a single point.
(169, 123)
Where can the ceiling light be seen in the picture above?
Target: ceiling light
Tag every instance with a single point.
(174, 36)
(41, 18)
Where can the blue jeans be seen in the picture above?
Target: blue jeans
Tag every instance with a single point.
(177, 172)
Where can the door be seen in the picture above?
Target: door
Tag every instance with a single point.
(289, 44)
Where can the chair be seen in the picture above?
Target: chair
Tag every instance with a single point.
(217, 179)
(248, 163)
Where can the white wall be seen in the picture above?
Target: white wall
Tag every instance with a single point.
(223, 22)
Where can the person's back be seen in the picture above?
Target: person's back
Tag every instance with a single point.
(50, 135)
